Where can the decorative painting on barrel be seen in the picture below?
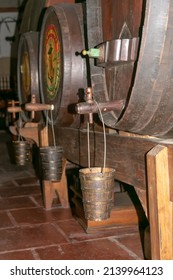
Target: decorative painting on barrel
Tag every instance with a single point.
(52, 60)
(61, 69)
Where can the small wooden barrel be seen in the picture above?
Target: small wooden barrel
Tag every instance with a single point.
(61, 70)
(33, 13)
(27, 72)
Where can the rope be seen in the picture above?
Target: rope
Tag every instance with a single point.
(52, 124)
(88, 141)
(104, 134)
(20, 138)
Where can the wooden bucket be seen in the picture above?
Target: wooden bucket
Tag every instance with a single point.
(22, 152)
(51, 162)
(62, 71)
(27, 72)
(97, 185)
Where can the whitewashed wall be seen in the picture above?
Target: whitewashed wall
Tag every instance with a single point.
(7, 29)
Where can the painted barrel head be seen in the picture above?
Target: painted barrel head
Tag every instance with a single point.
(62, 71)
(27, 72)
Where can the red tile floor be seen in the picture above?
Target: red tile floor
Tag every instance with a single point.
(28, 231)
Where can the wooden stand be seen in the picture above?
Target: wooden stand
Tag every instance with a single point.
(40, 137)
(49, 188)
(124, 212)
(160, 206)
(142, 162)
(146, 164)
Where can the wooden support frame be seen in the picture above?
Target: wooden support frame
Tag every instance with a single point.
(147, 163)
(160, 204)
(50, 189)
(133, 157)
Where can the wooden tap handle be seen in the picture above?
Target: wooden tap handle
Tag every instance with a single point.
(38, 107)
(13, 102)
(14, 109)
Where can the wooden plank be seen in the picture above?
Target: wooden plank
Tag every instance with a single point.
(160, 206)
(47, 186)
(29, 131)
(61, 187)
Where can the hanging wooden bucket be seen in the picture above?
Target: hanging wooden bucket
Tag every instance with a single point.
(97, 186)
(61, 70)
(51, 162)
(145, 83)
(27, 72)
(22, 152)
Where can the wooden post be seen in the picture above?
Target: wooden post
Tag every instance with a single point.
(61, 187)
(160, 205)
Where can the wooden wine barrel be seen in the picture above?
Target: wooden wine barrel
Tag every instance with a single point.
(146, 82)
(61, 69)
(34, 12)
(27, 71)
(28, 84)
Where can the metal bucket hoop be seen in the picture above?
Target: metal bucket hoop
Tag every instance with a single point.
(51, 162)
(22, 152)
(97, 185)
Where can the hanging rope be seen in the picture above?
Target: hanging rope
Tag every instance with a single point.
(52, 124)
(88, 139)
(104, 134)
(47, 119)
(20, 138)
(88, 142)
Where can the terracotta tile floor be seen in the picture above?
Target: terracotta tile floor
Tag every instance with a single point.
(28, 231)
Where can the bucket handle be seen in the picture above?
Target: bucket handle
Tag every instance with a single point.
(52, 125)
(20, 137)
(104, 135)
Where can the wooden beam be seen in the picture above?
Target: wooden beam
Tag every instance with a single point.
(160, 206)
(29, 131)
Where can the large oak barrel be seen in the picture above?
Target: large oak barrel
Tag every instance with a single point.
(137, 38)
(61, 69)
(145, 83)
(27, 71)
